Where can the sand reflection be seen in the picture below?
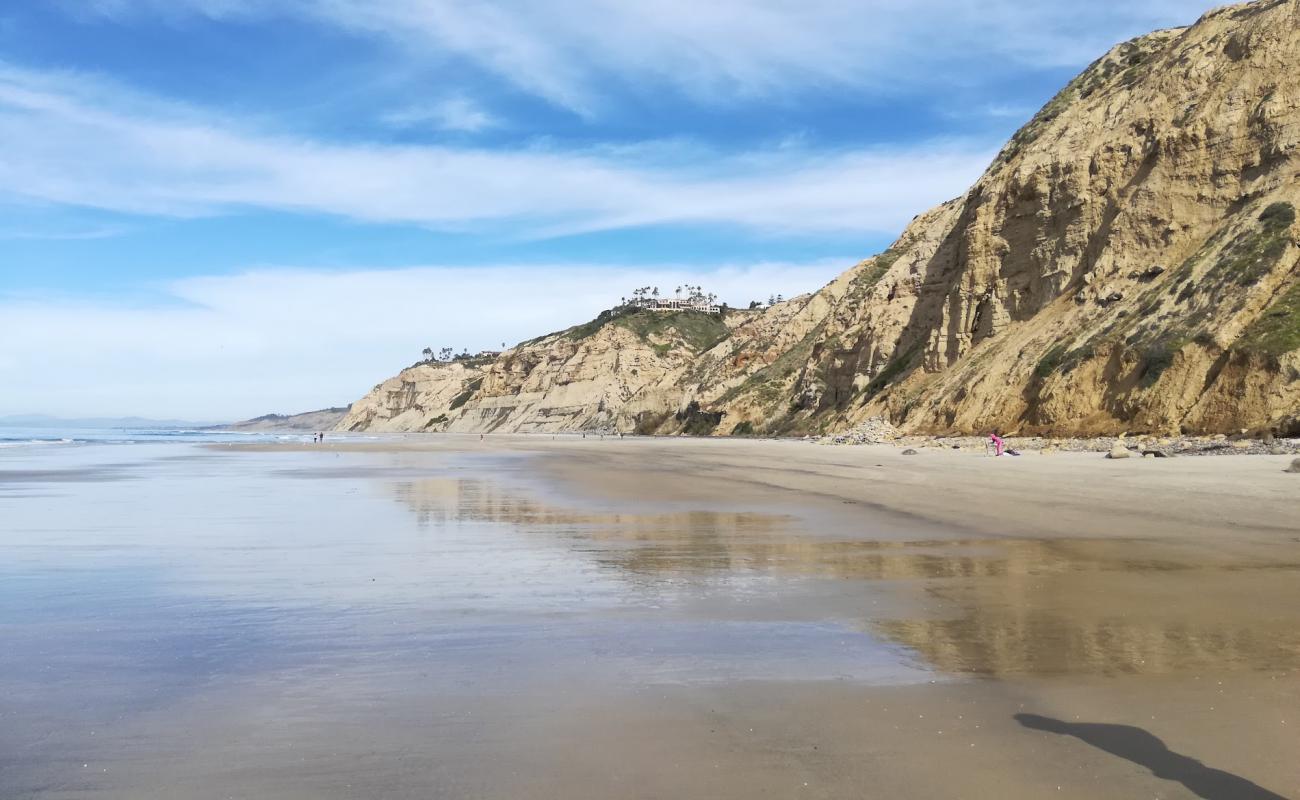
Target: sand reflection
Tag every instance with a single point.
(992, 607)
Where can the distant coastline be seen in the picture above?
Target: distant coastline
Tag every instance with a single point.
(320, 420)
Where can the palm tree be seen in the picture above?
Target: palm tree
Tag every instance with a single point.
(427, 353)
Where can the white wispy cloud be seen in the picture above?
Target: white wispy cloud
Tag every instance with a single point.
(568, 51)
(75, 140)
(448, 114)
(280, 339)
(1007, 111)
(62, 235)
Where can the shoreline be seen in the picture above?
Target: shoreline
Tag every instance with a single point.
(1181, 445)
(1055, 495)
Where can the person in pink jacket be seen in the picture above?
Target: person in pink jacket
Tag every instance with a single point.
(998, 444)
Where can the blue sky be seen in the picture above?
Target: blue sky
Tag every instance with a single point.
(219, 208)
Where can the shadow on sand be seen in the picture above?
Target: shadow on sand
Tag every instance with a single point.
(1145, 749)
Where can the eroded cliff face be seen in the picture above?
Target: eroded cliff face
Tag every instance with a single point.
(1130, 261)
(621, 372)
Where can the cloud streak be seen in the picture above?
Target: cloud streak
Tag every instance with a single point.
(71, 140)
(449, 114)
(570, 51)
(224, 347)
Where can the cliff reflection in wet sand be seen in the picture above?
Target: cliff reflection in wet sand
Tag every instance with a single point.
(993, 607)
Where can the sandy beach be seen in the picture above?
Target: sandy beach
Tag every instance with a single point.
(1050, 495)
(446, 616)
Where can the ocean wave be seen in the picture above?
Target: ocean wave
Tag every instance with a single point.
(6, 441)
(37, 437)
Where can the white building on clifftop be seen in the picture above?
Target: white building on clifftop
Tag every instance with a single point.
(694, 300)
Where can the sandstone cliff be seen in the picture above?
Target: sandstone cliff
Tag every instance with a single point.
(1130, 261)
(619, 372)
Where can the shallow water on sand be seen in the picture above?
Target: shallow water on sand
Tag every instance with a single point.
(185, 622)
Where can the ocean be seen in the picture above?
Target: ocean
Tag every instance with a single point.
(21, 436)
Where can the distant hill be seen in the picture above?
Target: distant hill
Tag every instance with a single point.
(323, 420)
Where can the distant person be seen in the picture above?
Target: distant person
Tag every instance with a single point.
(1000, 445)
(322, 437)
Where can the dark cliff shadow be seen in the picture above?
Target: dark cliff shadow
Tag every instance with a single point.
(1146, 750)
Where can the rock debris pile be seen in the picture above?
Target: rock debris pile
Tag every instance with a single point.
(876, 430)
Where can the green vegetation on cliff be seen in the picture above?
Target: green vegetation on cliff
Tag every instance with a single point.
(1277, 330)
(1255, 252)
(870, 275)
(697, 330)
(1129, 61)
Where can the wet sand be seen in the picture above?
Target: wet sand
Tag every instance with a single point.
(569, 618)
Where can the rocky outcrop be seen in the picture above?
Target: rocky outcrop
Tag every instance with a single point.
(1130, 261)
